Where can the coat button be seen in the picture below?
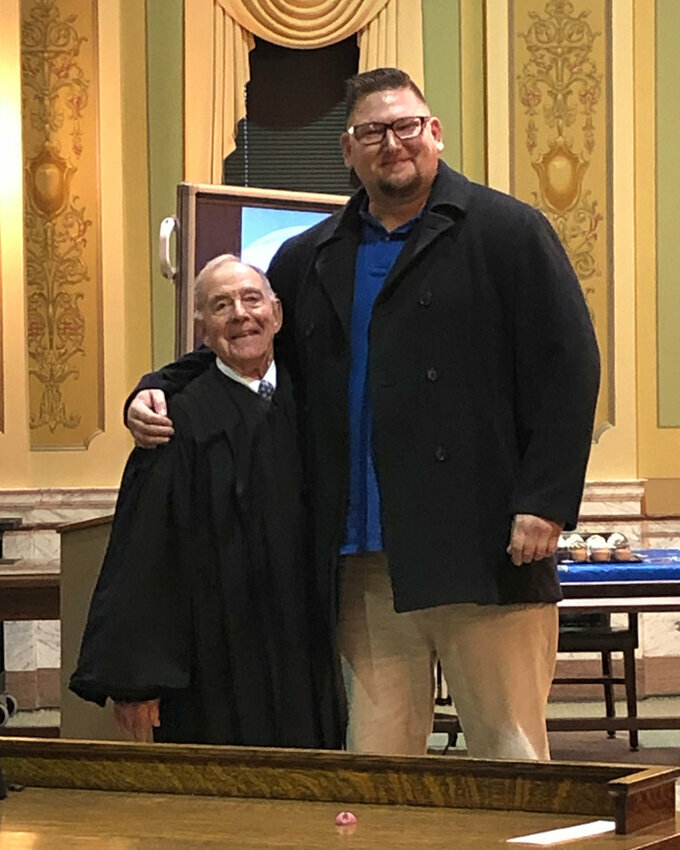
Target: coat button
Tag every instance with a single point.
(440, 453)
(425, 299)
(432, 374)
(309, 330)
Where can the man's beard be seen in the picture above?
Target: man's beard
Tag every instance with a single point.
(400, 188)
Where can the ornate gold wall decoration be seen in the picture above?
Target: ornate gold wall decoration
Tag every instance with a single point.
(560, 137)
(61, 214)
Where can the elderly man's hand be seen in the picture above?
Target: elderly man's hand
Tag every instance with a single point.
(532, 538)
(147, 419)
(137, 719)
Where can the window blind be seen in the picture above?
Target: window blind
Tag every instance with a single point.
(290, 137)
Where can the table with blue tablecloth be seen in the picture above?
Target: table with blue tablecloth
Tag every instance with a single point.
(648, 585)
(656, 574)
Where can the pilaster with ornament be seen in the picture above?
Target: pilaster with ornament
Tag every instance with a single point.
(561, 88)
(60, 272)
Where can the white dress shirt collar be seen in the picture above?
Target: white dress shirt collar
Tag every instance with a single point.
(252, 383)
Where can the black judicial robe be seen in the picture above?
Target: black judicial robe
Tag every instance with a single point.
(206, 596)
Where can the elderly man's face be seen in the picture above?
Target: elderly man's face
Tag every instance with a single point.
(394, 168)
(240, 318)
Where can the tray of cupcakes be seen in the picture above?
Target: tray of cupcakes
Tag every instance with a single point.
(596, 548)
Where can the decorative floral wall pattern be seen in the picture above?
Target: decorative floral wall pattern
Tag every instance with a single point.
(560, 137)
(61, 214)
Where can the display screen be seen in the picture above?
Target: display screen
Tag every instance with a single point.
(264, 229)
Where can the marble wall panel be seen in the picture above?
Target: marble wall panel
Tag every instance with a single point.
(48, 644)
(32, 649)
(57, 504)
(661, 534)
(37, 546)
(660, 634)
(20, 646)
(30, 645)
(612, 497)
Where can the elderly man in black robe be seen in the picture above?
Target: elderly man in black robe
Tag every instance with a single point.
(204, 626)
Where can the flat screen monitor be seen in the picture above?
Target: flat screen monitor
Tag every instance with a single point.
(251, 223)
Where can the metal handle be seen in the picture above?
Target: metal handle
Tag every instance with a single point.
(168, 226)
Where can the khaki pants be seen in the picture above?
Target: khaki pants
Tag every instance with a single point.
(498, 661)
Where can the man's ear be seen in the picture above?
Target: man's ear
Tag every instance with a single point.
(346, 145)
(199, 330)
(278, 314)
(437, 132)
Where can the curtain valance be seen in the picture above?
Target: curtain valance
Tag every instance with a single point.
(303, 23)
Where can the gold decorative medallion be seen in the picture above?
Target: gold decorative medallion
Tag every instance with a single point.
(61, 242)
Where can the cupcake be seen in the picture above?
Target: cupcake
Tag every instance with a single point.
(619, 546)
(562, 548)
(598, 549)
(577, 547)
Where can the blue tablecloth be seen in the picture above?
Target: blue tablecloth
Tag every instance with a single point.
(657, 565)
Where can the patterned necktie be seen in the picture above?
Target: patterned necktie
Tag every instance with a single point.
(266, 390)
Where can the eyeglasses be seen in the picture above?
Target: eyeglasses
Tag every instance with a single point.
(374, 132)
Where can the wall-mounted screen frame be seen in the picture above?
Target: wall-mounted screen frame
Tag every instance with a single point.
(251, 223)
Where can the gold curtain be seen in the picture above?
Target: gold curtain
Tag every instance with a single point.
(220, 33)
(303, 23)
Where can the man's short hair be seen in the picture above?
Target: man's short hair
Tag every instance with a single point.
(212, 266)
(381, 79)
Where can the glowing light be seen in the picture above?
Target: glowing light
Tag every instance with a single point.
(12, 840)
(567, 833)
(10, 129)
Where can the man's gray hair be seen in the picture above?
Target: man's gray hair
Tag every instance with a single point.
(214, 265)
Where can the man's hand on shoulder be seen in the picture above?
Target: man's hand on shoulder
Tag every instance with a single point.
(147, 419)
(532, 538)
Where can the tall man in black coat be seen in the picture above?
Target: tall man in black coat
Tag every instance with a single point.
(204, 625)
(434, 329)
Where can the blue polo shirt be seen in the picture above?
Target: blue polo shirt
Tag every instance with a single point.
(377, 253)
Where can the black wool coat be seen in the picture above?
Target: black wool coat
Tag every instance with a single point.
(483, 372)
